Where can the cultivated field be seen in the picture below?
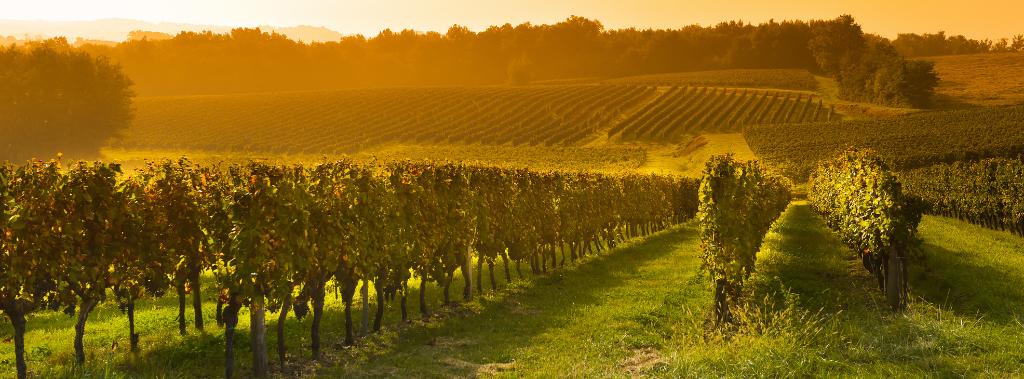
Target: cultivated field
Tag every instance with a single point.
(682, 111)
(909, 141)
(351, 121)
(979, 79)
(348, 121)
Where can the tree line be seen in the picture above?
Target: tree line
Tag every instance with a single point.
(249, 60)
(913, 45)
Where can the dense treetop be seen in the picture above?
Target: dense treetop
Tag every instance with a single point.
(57, 99)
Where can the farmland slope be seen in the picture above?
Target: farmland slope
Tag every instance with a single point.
(910, 141)
(979, 79)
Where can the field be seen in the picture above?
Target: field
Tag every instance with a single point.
(979, 80)
(683, 111)
(604, 158)
(910, 141)
(348, 121)
(781, 79)
(639, 310)
(359, 121)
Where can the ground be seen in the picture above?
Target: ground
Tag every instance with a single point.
(979, 80)
(641, 310)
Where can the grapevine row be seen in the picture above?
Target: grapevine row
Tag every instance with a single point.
(910, 141)
(351, 120)
(682, 110)
(738, 203)
(277, 237)
(861, 199)
(989, 192)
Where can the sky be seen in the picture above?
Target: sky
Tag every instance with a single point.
(977, 19)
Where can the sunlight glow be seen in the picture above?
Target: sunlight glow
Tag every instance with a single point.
(982, 19)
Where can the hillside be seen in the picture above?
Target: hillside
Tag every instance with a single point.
(911, 140)
(350, 121)
(979, 79)
(681, 111)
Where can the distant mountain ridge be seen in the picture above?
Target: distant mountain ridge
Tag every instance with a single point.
(116, 29)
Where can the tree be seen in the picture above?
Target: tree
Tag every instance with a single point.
(884, 77)
(520, 71)
(837, 44)
(57, 99)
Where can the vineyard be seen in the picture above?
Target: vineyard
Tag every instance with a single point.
(907, 141)
(759, 78)
(688, 110)
(989, 192)
(607, 159)
(739, 202)
(277, 237)
(351, 120)
(735, 223)
(861, 199)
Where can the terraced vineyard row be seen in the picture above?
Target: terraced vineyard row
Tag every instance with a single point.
(776, 78)
(689, 110)
(350, 120)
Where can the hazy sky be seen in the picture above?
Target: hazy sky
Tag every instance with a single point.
(975, 19)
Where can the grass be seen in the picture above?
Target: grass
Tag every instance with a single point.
(757, 78)
(604, 158)
(979, 80)
(641, 310)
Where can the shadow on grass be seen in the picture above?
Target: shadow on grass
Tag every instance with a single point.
(808, 276)
(503, 326)
(490, 329)
(960, 283)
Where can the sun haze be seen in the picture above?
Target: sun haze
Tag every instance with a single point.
(991, 19)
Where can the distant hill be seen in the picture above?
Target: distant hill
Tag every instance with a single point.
(117, 29)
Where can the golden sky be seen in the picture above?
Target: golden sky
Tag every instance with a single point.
(975, 19)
